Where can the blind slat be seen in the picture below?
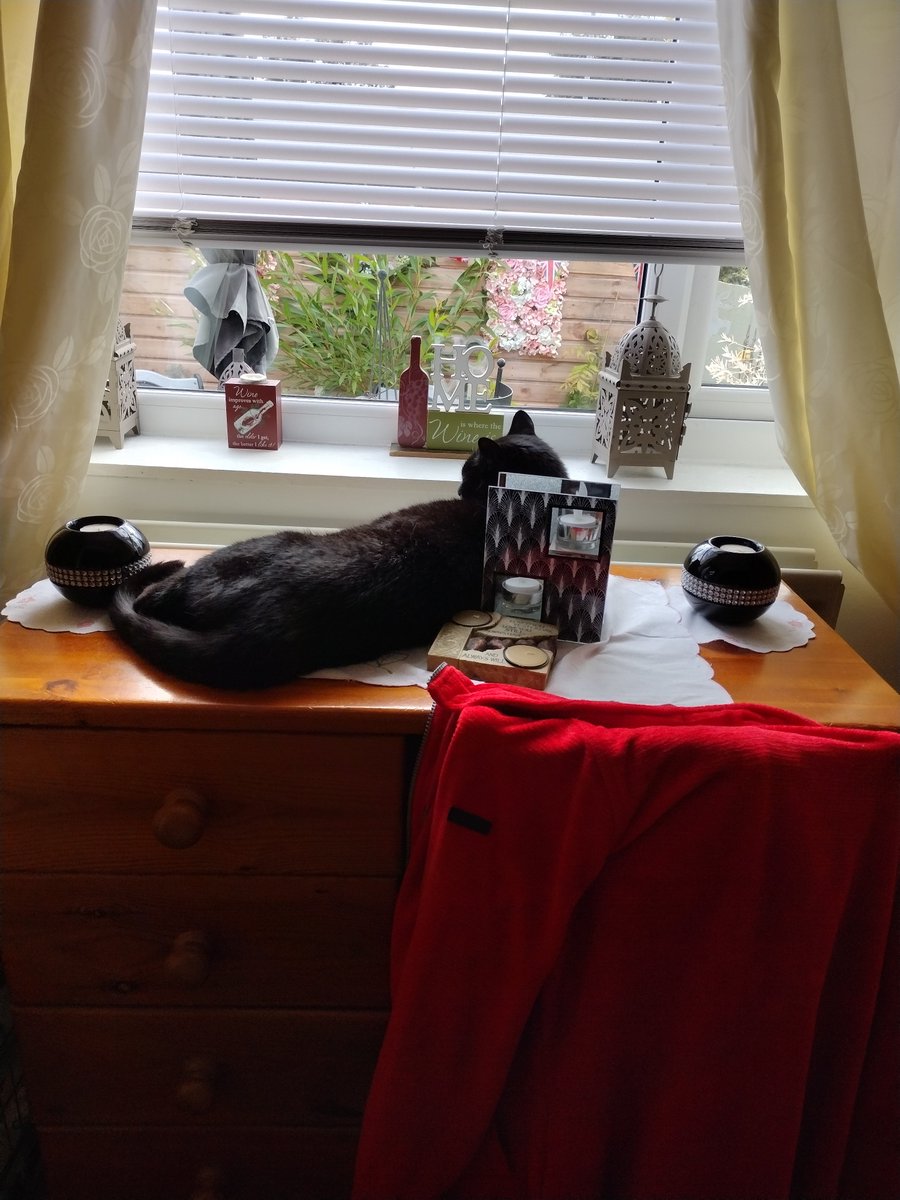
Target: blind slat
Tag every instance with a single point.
(282, 179)
(419, 151)
(315, 78)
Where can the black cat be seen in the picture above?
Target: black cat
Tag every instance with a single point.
(263, 611)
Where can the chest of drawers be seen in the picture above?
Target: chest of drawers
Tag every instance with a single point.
(197, 894)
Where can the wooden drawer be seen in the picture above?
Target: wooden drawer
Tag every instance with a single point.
(314, 941)
(204, 1068)
(268, 803)
(174, 1164)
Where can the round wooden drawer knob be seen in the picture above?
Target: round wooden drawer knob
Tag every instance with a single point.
(195, 1092)
(208, 1185)
(189, 959)
(180, 820)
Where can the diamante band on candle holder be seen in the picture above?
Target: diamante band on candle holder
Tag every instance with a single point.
(714, 594)
(106, 577)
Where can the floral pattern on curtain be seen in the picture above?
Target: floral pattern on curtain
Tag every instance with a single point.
(72, 164)
(813, 98)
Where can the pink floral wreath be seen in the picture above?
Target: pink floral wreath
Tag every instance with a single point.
(524, 305)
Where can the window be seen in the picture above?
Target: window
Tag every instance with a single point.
(554, 140)
(548, 322)
(734, 356)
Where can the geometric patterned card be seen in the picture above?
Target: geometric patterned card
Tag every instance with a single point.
(557, 533)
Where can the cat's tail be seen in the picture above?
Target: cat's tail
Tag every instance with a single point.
(202, 656)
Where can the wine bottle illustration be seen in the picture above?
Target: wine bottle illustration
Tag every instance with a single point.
(412, 406)
(249, 420)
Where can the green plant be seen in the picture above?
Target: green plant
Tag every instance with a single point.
(582, 384)
(739, 275)
(326, 306)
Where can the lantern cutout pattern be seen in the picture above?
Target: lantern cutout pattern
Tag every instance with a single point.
(643, 399)
(119, 411)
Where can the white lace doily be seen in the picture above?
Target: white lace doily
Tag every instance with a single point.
(781, 627)
(646, 656)
(42, 607)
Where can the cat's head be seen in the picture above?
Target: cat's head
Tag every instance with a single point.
(520, 451)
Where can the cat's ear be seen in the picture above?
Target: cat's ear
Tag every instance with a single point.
(521, 422)
(487, 447)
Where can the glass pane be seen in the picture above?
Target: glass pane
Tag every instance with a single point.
(550, 322)
(734, 356)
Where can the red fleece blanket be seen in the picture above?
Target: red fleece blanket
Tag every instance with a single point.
(641, 954)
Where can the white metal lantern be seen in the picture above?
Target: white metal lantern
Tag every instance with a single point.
(118, 410)
(643, 400)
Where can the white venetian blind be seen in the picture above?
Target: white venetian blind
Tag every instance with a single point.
(547, 125)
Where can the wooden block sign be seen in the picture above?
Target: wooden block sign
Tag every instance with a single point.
(253, 410)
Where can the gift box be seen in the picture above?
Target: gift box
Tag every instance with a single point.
(496, 648)
(253, 412)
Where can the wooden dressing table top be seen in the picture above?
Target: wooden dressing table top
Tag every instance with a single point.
(61, 679)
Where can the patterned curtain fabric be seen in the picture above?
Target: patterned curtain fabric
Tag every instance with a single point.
(69, 166)
(813, 98)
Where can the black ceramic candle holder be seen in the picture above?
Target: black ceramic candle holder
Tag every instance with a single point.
(730, 579)
(89, 557)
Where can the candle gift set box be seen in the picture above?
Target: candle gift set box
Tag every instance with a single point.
(253, 413)
(496, 648)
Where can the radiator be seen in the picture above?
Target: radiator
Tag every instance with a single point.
(172, 534)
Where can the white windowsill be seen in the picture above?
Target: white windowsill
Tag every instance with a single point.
(186, 459)
(179, 473)
(350, 441)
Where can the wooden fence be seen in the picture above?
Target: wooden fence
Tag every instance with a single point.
(600, 296)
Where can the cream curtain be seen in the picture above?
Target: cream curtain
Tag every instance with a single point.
(812, 91)
(74, 90)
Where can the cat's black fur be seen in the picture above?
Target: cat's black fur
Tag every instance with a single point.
(263, 611)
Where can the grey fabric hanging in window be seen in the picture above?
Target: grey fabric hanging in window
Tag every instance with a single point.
(236, 320)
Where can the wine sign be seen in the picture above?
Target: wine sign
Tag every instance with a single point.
(461, 430)
(253, 411)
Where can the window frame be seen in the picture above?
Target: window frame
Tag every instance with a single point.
(689, 290)
(676, 88)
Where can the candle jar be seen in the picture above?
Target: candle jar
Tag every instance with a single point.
(578, 532)
(730, 579)
(520, 596)
(87, 558)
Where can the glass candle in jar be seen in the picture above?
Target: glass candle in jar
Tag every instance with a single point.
(520, 596)
(579, 531)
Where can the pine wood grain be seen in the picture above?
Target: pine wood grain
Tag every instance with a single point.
(123, 1163)
(271, 941)
(108, 1067)
(86, 800)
